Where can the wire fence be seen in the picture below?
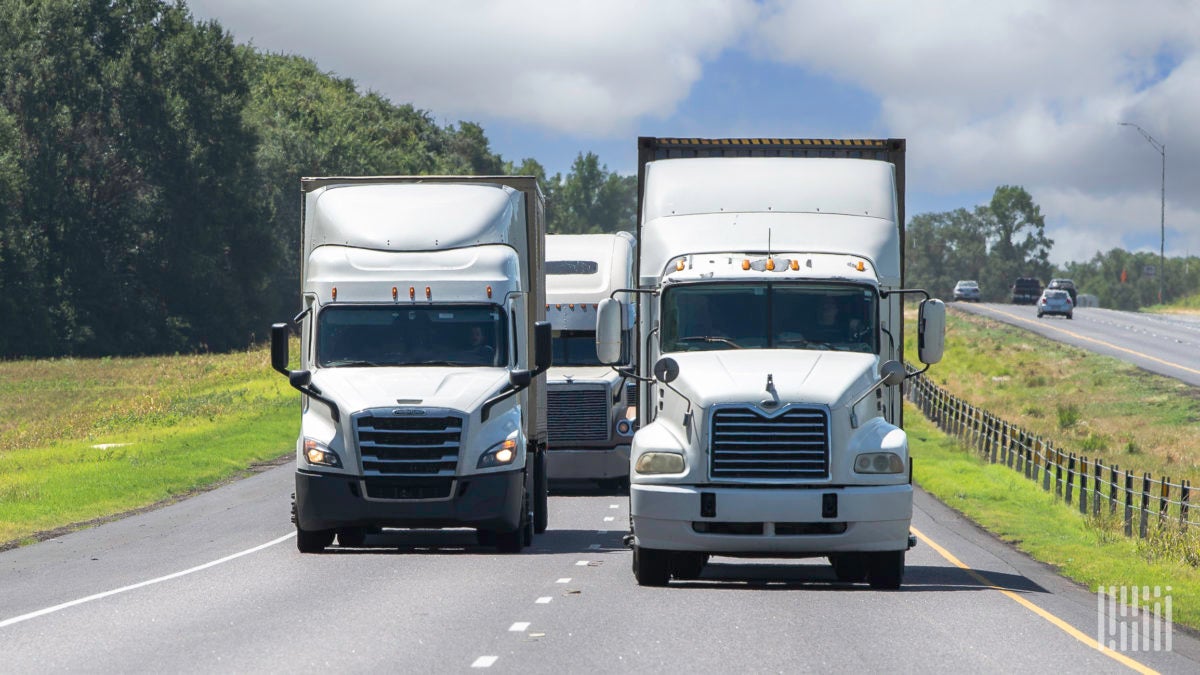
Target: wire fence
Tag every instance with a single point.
(1091, 485)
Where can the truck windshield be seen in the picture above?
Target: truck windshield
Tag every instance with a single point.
(769, 315)
(455, 335)
(575, 348)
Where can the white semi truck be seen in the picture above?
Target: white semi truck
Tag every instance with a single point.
(770, 346)
(422, 353)
(590, 405)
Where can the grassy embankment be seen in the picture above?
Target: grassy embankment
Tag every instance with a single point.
(86, 439)
(1083, 403)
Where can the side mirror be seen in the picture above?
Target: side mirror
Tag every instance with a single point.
(931, 331)
(891, 372)
(608, 332)
(300, 378)
(520, 379)
(543, 347)
(279, 347)
(666, 370)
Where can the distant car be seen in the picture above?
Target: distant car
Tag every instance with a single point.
(1056, 301)
(1065, 285)
(966, 291)
(1025, 290)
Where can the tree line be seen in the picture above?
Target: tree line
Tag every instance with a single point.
(997, 242)
(150, 176)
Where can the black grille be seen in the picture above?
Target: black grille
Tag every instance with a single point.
(577, 414)
(411, 488)
(793, 445)
(409, 446)
(631, 393)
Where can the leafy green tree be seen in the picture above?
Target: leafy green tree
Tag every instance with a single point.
(591, 199)
(1017, 242)
(943, 248)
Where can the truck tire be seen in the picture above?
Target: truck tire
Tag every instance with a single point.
(651, 567)
(313, 541)
(688, 565)
(849, 567)
(512, 541)
(352, 537)
(885, 570)
(541, 492)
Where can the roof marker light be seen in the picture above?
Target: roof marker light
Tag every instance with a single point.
(489, 290)
(412, 293)
(558, 306)
(572, 306)
(395, 292)
(335, 292)
(770, 265)
(795, 265)
(745, 263)
(679, 265)
(428, 293)
(860, 266)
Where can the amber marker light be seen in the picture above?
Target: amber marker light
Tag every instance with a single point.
(428, 293)
(679, 265)
(412, 293)
(395, 292)
(335, 292)
(795, 265)
(746, 264)
(860, 266)
(770, 265)
(489, 290)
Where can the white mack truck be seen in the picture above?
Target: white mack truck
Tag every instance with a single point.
(589, 405)
(422, 353)
(769, 345)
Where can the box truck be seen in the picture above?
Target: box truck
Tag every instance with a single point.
(423, 349)
(590, 406)
(769, 342)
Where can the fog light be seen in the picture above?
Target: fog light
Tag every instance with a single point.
(659, 462)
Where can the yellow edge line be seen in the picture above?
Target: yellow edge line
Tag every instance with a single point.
(1062, 625)
(1094, 340)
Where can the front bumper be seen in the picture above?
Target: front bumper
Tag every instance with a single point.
(587, 464)
(489, 501)
(874, 518)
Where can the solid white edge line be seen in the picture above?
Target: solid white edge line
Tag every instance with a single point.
(131, 587)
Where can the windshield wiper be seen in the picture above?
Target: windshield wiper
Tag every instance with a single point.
(709, 338)
(351, 363)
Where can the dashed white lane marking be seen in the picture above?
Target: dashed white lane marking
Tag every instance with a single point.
(614, 506)
(582, 563)
(148, 582)
(564, 580)
(484, 662)
(594, 547)
(519, 627)
(544, 600)
(609, 519)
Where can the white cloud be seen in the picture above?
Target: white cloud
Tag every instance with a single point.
(586, 68)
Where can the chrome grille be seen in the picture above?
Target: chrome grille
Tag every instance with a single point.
(631, 393)
(792, 445)
(577, 414)
(425, 445)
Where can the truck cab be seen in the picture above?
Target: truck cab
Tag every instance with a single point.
(770, 324)
(591, 409)
(420, 365)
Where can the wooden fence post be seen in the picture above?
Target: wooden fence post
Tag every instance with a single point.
(1058, 481)
(1083, 476)
(1185, 491)
(1070, 477)
(1164, 499)
(1046, 466)
(1097, 482)
(1128, 504)
(1112, 490)
(1037, 458)
(1143, 517)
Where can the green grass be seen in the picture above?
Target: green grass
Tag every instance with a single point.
(86, 439)
(1018, 511)
(1080, 401)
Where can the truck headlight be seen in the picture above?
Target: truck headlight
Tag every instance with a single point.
(659, 462)
(624, 427)
(500, 454)
(318, 453)
(878, 462)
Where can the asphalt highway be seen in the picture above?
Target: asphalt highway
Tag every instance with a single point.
(215, 584)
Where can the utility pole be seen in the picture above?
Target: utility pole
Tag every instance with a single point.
(1162, 216)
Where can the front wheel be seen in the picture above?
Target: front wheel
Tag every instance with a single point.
(651, 567)
(849, 567)
(688, 565)
(541, 493)
(313, 541)
(512, 541)
(885, 570)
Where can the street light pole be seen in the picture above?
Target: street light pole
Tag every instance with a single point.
(1162, 216)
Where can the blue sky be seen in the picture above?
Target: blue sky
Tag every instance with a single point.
(1018, 93)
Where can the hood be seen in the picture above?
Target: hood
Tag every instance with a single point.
(799, 376)
(462, 389)
(560, 374)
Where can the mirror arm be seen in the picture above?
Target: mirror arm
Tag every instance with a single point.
(313, 392)
(916, 372)
(486, 411)
(906, 291)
